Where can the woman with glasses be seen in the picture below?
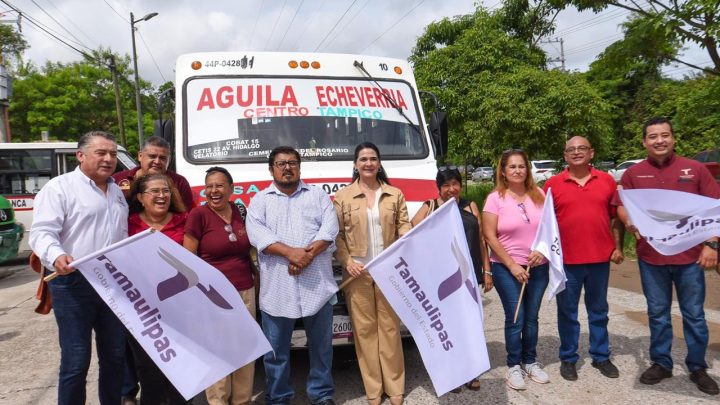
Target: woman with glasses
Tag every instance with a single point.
(216, 232)
(510, 219)
(155, 204)
(449, 183)
(372, 215)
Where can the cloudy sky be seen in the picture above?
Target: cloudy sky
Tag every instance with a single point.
(376, 27)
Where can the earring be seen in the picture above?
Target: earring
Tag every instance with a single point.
(355, 170)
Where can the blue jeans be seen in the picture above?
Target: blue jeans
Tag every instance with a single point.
(130, 387)
(594, 278)
(521, 337)
(78, 311)
(278, 330)
(657, 283)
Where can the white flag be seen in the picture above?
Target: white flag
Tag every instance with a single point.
(547, 242)
(672, 221)
(427, 277)
(185, 314)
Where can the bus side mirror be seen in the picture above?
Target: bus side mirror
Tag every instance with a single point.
(439, 131)
(165, 129)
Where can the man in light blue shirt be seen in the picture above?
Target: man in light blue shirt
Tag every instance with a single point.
(293, 226)
(75, 215)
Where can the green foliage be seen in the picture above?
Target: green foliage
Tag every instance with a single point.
(478, 192)
(11, 42)
(70, 99)
(497, 93)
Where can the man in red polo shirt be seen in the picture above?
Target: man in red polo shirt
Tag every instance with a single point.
(583, 197)
(154, 158)
(665, 170)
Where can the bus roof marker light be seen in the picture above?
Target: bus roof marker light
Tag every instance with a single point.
(196, 65)
(293, 64)
(315, 65)
(398, 70)
(304, 64)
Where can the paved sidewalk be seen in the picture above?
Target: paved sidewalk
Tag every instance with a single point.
(30, 356)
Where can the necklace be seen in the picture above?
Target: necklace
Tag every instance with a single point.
(225, 216)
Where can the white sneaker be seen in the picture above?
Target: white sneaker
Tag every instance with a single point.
(536, 373)
(515, 378)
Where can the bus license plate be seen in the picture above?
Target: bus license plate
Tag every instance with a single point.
(342, 328)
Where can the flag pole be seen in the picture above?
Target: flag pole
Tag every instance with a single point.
(522, 290)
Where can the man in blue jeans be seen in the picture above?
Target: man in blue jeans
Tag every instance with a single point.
(293, 226)
(665, 170)
(75, 215)
(583, 197)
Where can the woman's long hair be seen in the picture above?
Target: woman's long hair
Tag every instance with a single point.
(381, 175)
(140, 186)
(530, 187)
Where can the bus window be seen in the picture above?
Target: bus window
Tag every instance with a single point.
(24, 171)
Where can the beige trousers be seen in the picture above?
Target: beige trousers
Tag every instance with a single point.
(236, 388)
(376, 329)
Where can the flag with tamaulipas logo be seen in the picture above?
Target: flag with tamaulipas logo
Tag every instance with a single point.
(547, 242)
(427, 277)
(185, 313)
(672, 221)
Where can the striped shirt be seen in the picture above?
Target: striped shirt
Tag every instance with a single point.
(297, 220)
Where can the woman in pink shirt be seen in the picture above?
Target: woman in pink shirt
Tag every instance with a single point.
(510, 219)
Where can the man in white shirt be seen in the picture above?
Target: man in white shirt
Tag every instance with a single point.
(74, 215)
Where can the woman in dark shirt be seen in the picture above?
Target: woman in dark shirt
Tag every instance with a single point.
(216, 232)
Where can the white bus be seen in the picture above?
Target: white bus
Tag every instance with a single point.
(233, 108)
(26, 167)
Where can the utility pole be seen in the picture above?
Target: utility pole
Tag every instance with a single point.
(561, 59)
(118, 104)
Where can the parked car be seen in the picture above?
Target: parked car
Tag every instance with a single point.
(542, 169)
(483, 174)
(618, 171)
(710, 158)
(466, 171)
(11, 232)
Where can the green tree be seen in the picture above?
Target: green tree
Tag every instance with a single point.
(498, 94)
(676, 22)
(12, 44)
(70, 99)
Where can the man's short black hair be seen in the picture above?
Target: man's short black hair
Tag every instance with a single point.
(86, 138)
(155, 141)
(282, 149)
(655, 121)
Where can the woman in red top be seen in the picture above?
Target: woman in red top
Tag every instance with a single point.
(216, 232)
(155, 203)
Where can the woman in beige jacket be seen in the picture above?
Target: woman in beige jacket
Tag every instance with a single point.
(372, 215)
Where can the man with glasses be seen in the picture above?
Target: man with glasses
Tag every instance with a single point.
(583, 197)
(663, 169)
(293, 226)
(154, 157)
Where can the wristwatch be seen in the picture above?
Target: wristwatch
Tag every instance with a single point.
(714, 244)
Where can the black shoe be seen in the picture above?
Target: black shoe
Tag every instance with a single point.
(326, 402)
(567, 371)
(655, 374)
(456, 390)
(704, 382)
(606, 368)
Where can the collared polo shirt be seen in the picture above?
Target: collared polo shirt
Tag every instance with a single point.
(676, 173)
(583, 213)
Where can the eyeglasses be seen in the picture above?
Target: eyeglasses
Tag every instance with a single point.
(231, 234)
(157, 192)
(578, 149)
(523, 213)
(447, 168)
(281, 164)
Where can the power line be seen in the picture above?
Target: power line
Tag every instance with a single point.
(147, 48)
(357, 13)
(297, 10)
(393, 26)
(275, 25)
(69, 20)
(336, 24)
(77, 40)
(257, 18)
(116, 12)
(309, 23)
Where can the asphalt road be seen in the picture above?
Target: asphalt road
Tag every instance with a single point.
(30, 356)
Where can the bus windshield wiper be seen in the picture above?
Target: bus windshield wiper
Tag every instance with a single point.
(390, 101)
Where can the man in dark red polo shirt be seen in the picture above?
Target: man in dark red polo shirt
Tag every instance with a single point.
(665, 170)
(583, 197)
(154, 158)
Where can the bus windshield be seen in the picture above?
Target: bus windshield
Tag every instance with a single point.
(241, 119)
